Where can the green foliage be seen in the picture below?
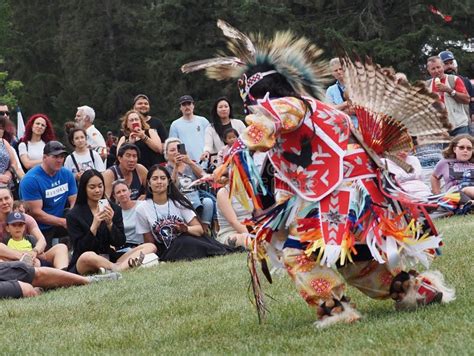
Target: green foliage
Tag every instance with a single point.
(203, 307)
(9, 89)
(102, 53)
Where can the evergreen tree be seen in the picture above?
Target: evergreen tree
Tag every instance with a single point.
(102, 53)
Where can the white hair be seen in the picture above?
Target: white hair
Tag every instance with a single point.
(335, 61)
(88, 111)
(167, 143)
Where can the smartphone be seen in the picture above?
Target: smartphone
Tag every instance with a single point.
(135, 125)
(181, 148)
(102, 204)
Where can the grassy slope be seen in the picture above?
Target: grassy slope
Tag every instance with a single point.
(203, 307)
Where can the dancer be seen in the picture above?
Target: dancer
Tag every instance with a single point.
(330, 205)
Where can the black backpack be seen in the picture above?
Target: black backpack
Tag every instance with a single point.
(75, 162)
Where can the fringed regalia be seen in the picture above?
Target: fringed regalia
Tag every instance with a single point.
(337, 214)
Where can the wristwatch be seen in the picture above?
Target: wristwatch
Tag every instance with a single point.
(453, 93)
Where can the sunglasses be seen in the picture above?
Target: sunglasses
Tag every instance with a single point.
(467, 148)
(4, 113)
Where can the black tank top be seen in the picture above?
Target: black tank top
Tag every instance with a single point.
(136, 187)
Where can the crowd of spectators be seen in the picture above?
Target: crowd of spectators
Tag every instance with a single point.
(107, 203)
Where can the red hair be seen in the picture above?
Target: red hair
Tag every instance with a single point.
(48, 134)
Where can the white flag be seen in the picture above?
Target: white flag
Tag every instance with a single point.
(20, 124)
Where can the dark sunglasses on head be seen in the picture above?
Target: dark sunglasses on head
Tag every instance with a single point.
(4, 113)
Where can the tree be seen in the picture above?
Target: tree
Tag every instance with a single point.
(102, 53)
(9, 89)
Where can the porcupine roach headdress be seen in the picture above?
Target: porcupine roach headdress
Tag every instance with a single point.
(296, 59)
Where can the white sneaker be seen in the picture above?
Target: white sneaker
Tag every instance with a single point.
(112, 276)
(150, 260)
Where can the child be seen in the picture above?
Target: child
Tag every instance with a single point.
(19, 206)
(230, 136)
(57, 256)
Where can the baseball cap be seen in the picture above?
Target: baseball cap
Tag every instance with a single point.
(15, 217)
(140, 96)
(186, 99)
(446, 56)
(54, 148)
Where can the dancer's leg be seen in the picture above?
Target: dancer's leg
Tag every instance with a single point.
(320, 286)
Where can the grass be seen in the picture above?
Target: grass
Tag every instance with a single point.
(203, 307)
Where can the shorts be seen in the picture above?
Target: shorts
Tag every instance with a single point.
(45, 263)
(10, 274)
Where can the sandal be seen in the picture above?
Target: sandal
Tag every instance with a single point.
(137, 261)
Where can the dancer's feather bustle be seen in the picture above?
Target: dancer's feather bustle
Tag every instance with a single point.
(389, 113)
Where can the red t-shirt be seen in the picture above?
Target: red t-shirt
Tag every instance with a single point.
(458, 86)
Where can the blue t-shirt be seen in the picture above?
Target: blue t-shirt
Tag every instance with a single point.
(333, 96)
(53, 191)
(191, 133)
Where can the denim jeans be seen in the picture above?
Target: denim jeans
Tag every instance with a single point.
(459, 131)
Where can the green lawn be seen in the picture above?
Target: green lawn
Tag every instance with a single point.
(204, 307)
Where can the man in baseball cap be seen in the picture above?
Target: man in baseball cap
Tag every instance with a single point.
(54, 148)
(190, 128)
(450, 64)
(47, 190)
(186, 99)
(451, 67)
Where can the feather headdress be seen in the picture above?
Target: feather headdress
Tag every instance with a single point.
(295, 58)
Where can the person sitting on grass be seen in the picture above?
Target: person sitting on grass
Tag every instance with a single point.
(230, 214)
(456, 169)
(168, 220)
(48, 190)
(183, 172)
(410, 182)
(121, 194)
(128, 168)
(57, 256)
(20, 206)
(96, 230)
(31, 228)
(17, 279)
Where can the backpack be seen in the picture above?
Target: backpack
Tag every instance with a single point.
(16, 147)
(77, 165)
(451, 81)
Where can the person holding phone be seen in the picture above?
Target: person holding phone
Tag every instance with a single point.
(183, 172)
(168, 220)
(95, 227)
(138, 132)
